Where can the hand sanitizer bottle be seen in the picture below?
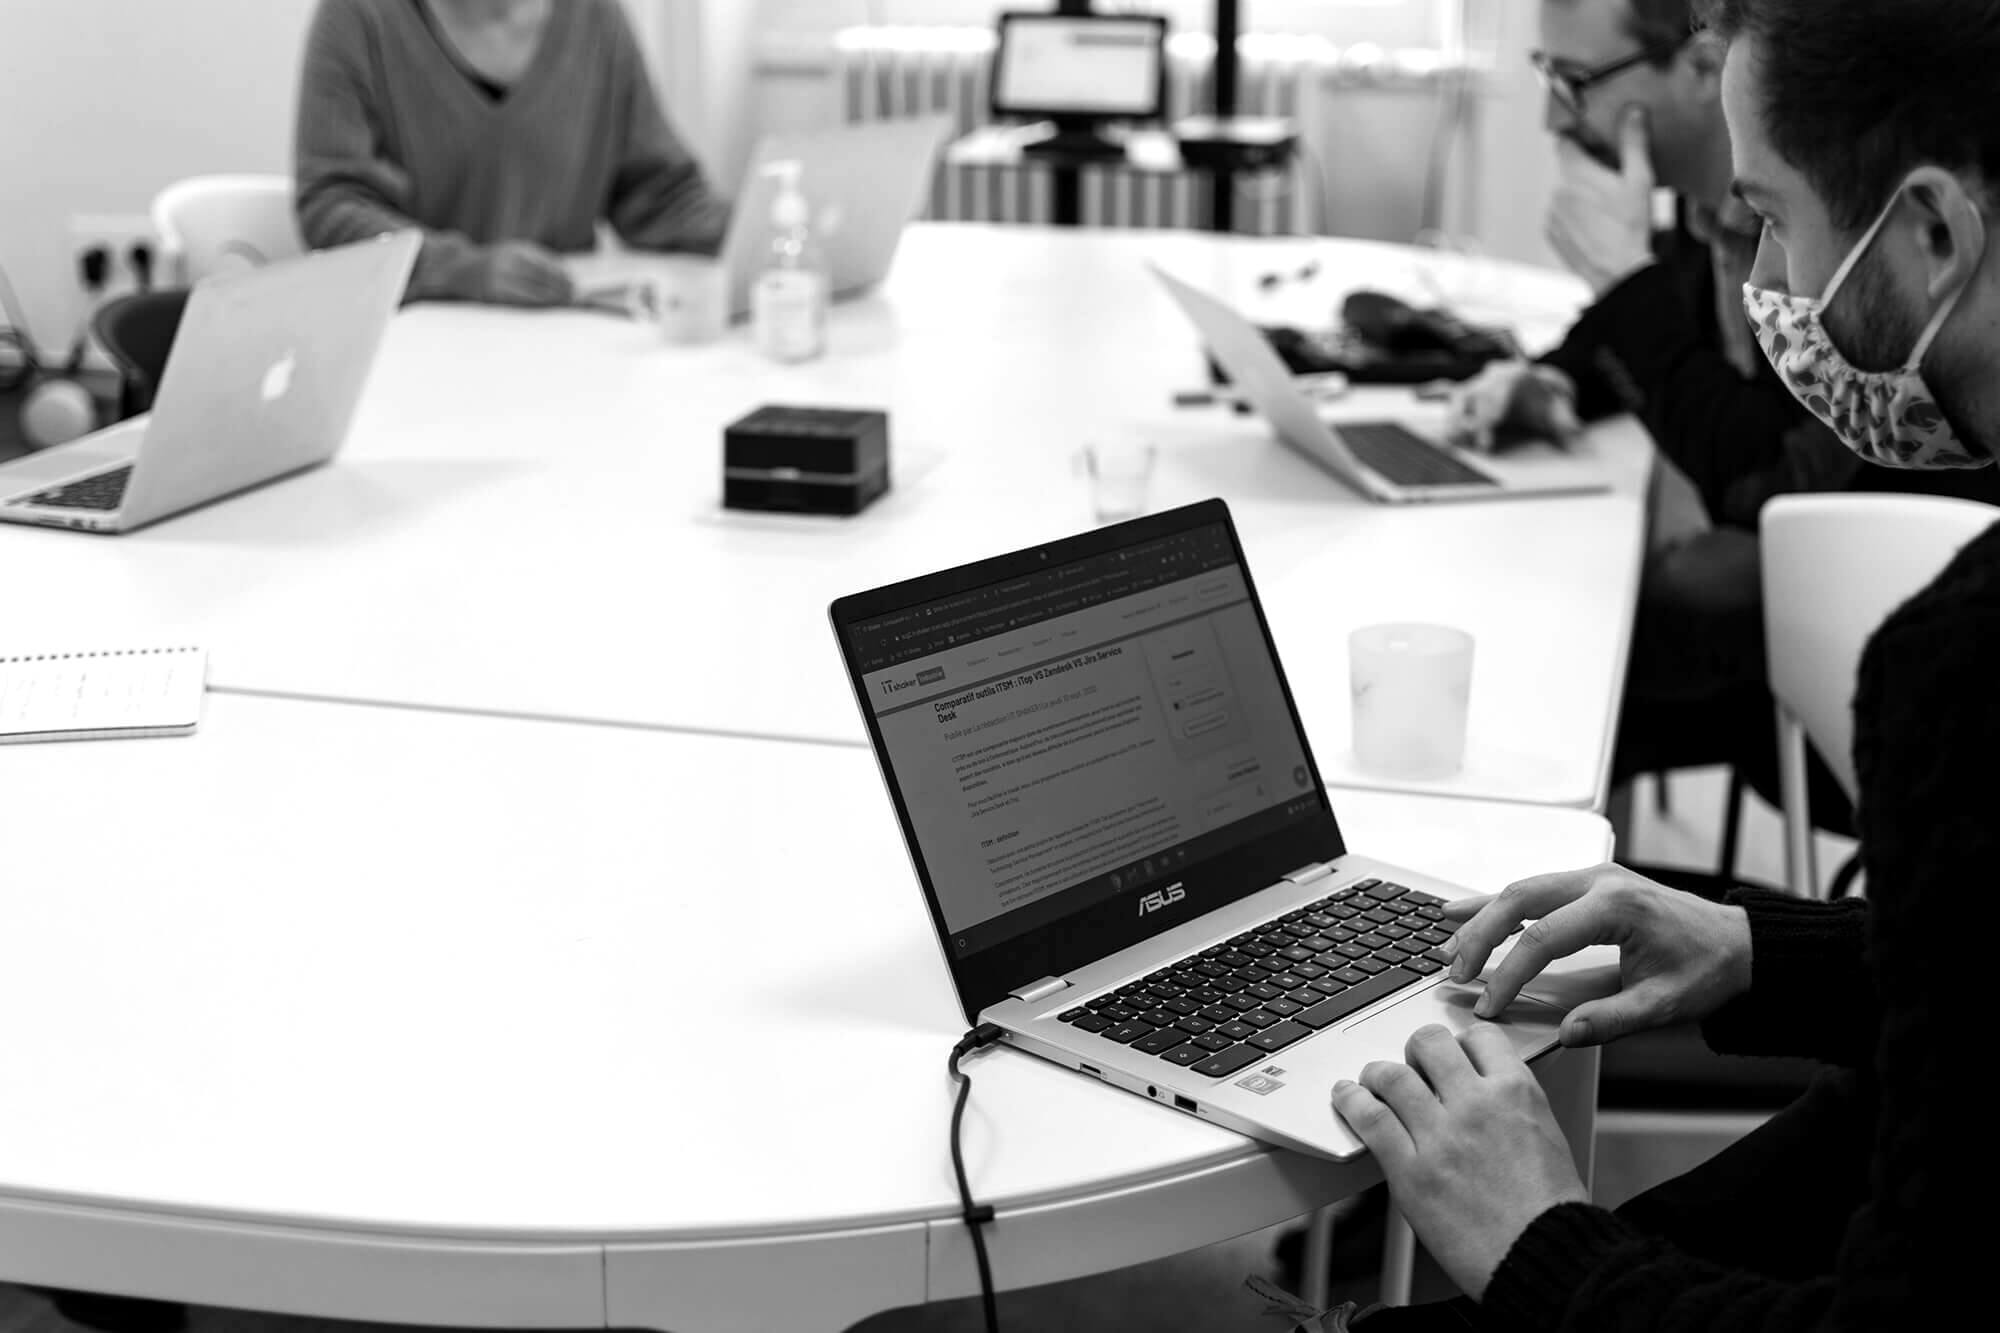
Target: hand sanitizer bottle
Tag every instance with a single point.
(788, 301)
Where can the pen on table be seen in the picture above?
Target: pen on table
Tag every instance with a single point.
(1322, 386)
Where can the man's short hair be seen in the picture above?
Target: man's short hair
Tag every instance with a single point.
(1661, 27)
(1859, 93)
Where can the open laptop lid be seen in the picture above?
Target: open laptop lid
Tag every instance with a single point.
(267, 369)
(1261, 376)
(1087, 743)
(872, 177)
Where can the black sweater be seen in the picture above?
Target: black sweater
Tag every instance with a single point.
(1893, 987)
(1651, 346)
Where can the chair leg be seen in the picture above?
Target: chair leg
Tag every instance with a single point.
(1801, 859)
(1732, 825)
(1663, 795)
(1399, 1260)
(1316, 1283)
(1843, 879)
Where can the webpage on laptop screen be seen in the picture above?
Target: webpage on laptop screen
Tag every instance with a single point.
(1083, 731)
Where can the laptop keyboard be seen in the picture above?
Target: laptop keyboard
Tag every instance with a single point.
(1405, 458)
(1228, 1007)
(105, 491)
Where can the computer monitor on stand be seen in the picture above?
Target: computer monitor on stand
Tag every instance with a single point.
(1081, 73)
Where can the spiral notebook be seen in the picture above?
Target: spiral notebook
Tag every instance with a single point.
(101, 695)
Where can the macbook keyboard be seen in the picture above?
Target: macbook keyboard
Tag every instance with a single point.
(1406, 458)
(1228, 1007)
(105, 491)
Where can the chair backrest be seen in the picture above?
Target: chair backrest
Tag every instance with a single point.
(222, 224)
(137, 333)
(1835, 568)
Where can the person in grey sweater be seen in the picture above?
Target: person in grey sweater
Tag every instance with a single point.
(505, 129)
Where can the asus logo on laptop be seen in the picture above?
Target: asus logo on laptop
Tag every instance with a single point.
(1161, 898)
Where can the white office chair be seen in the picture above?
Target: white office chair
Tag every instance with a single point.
(1836, 567)
(219, 224)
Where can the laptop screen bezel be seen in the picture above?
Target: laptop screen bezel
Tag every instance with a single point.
(983, 979)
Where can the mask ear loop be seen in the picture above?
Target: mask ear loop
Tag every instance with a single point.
(1858, 253)
(1936, 326)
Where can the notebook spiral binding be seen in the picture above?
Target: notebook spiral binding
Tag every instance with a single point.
(105, 652)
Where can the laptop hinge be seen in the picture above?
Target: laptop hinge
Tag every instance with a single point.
(1038, 991)
(1307, 874)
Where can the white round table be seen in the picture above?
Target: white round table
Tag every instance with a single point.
(526, 522)
(392, 1014)
(523, 939)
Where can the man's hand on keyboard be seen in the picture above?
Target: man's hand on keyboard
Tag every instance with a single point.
(1468, 1144)
(1536, 399)
(1679, 957)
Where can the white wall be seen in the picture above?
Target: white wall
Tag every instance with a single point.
(1513, 166)
(1390, 22)
(701, 53)
(103, 102)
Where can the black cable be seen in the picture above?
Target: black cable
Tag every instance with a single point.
(977, 1216)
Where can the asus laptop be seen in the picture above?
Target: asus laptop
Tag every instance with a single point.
(1383, 460)
(1130, 861)
(266, 371)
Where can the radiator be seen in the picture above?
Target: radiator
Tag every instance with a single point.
(887, 72)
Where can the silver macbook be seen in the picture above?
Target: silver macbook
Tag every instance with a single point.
(1129, 859)
(864, 183)
(266, 371)
(1383, 460)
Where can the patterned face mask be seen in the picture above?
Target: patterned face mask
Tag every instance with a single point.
(1889, 417)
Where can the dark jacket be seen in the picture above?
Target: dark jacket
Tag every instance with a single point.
(1891, 987)
(1652, 346)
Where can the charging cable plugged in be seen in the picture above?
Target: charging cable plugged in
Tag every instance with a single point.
(977, 1216)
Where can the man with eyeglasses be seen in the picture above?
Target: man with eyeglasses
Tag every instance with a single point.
(1634, 104)
(1634, 101)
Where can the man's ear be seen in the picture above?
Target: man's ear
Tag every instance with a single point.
(1951, 231)
(1701, 62)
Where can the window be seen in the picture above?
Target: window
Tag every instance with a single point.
(1390, 23)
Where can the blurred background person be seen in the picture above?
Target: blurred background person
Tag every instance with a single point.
(506, 129)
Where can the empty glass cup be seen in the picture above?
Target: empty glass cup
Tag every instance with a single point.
(1121, 475)
(690, 299)
(1411, 687)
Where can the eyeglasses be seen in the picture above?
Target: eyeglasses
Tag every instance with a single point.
(1567, 84)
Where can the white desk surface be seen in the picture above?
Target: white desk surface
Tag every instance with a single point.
(525, 520)
(324, 990)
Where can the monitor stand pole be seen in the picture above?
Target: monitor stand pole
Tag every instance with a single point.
(1228, 23)
(1066, 173)
(1076, 144)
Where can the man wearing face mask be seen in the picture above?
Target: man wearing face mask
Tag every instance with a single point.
(1635, 106)
(1863, 138)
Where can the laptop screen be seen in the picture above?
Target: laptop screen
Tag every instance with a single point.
(1100, 734)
